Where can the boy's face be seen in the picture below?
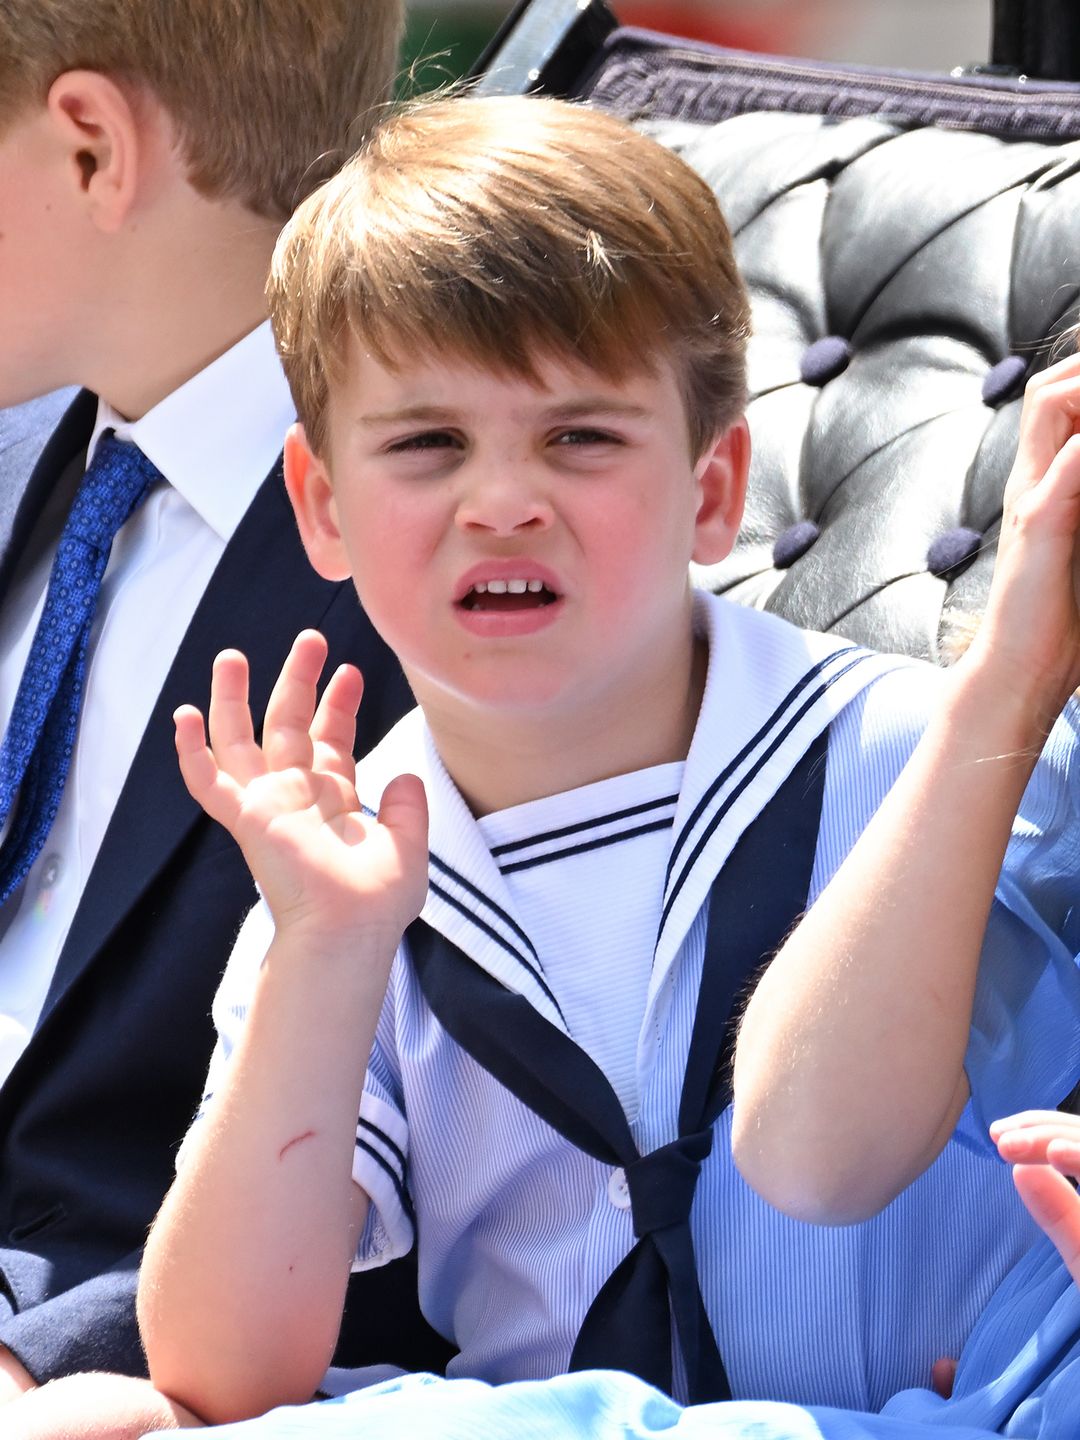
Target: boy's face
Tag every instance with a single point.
(37, 259)
(518, 546)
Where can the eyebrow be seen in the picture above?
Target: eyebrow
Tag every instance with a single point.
(443, 415)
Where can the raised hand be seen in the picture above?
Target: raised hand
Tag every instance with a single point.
(1043, 1147)
(323, 867)
(1032, 623)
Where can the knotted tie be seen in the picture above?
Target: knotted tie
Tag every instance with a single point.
(754, 900)
(36, 750)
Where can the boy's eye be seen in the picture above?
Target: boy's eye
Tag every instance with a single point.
(425, 440)
(582, 435)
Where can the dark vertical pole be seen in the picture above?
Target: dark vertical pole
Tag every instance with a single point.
(1040, 38)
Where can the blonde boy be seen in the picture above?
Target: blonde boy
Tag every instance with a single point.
(149, 152)
(515, 334)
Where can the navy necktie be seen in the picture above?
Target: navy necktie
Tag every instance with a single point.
(754, 901)
(36, 752)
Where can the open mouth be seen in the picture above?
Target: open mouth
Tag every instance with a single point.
(505, 595)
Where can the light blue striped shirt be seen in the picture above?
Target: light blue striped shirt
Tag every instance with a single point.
(519, 1230)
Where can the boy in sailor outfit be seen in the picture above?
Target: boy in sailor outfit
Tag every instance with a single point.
(515, 334)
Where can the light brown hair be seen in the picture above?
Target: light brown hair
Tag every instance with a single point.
(497, 230)
(268, 96)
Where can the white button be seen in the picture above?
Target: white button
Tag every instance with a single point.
(618, 1190)
(52, 867)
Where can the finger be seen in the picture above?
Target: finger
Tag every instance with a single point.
(232, 735)
(287, 727)
(943, 1377)
(1055, 1206)
(1027, 1119)
(1032, 1145)
(1064, 1155)
(1055, 492)
(1051, 414)
(333, 729)
(404, 813)
(216, 792)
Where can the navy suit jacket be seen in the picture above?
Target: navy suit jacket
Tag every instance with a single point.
(93, 1111)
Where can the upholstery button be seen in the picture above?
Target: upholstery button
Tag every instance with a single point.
(1003, 380)
(618, 1190)
(793, 543)
(951, 553)
(824, 360)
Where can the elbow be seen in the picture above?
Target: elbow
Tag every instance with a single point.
(227, 1393)
(221, 1381)
(809, 1185)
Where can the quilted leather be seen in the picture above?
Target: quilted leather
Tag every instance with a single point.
(911, 257)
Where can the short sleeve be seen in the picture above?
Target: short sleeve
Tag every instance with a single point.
(1043, 860)
(870, 742)
(380, 1164)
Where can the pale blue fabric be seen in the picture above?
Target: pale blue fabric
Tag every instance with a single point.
(1019, 1377)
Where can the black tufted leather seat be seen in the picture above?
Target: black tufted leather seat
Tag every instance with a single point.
(912, 247)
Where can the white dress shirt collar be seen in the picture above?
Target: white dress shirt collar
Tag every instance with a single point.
(195, 440)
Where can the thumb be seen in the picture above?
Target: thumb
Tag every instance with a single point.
(404, 812)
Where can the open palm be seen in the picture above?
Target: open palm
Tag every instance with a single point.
(291, 804)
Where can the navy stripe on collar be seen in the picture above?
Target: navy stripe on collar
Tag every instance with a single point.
(478, 894)
(596, 844)
(725, 805)
(593, 824)
(493, 934)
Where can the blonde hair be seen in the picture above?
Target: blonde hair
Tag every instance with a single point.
(498, 230)
(268, 96)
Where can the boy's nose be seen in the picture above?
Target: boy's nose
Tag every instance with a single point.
(504, 504)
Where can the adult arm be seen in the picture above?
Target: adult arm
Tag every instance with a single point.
(849, 1072)
(245, 1270)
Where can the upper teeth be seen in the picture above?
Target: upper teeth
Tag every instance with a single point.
(511, 587)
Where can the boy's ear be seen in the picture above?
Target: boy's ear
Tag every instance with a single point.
(721, 475)
(104, 134)
(307, 481)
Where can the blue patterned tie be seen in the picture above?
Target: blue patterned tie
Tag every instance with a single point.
(36, 751)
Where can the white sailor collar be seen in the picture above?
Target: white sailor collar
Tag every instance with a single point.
(770, 691)
(468, 900)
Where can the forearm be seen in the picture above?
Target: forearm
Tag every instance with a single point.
(246, 1268)
(94, 1407)
(849, 1069)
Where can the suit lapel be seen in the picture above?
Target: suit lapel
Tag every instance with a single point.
(261, 593)
(36, 470)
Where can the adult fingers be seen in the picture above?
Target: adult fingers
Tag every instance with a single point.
(287, 728)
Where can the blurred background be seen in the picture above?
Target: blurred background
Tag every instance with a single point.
(903, 34)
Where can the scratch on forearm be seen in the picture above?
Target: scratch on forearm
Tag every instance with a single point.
(296, 1140)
